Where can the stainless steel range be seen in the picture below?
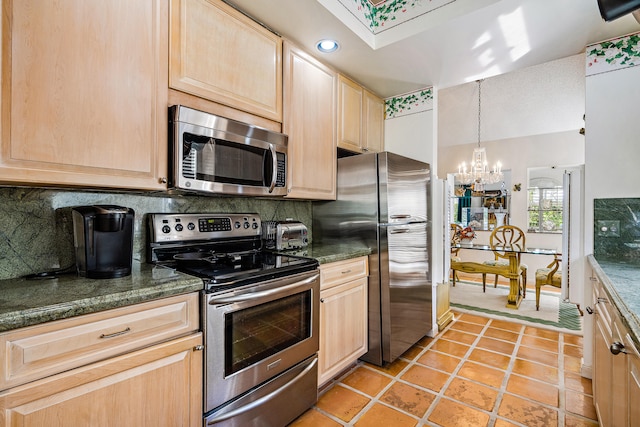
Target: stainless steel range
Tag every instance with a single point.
(259, 316)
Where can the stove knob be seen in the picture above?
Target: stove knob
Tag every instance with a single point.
(237, 224)
(247, 225)
(191, 226)
(166, 229)
(254, 225)
(179, 227)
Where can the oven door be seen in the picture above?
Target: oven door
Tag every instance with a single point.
(257, 332)
(216, 155)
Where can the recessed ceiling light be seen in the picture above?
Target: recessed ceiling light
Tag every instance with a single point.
(327, 46)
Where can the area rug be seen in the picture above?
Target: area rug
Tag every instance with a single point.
(554, 314)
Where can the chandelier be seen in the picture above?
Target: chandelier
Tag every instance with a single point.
(478, 173)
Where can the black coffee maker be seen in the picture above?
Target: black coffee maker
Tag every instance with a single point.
(103, 239)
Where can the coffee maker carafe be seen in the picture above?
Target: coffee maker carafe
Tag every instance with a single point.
(103, 240)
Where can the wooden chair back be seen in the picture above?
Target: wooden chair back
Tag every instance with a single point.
(506, 238)
(454, 238)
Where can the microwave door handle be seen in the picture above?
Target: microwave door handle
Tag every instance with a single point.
(274, 168)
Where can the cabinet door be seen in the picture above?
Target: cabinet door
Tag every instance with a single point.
(602, 362)
(84, 93)
(343, 327)
(157, 386)
(373, 123)
(350, 109)
(219, 54)
(634, 383)
(310, 123)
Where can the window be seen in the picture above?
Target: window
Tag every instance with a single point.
(545, 209)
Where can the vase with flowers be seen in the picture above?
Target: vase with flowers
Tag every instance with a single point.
(465, 236)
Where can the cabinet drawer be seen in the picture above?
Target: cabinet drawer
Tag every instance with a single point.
(339, 272)
(36, 352)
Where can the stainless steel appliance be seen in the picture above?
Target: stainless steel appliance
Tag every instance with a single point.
(259, 316)
(212, 154)
(283, 235)
(383, 202)
(103, 240)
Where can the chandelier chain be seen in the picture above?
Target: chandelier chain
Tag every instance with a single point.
(479, 108)
(479, 173)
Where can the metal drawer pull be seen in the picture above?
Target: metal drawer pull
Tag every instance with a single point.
(589, 310)
(346, 271)
(617, 348)
(116, 334)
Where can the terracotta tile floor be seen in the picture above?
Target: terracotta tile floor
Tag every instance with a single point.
(477, 372)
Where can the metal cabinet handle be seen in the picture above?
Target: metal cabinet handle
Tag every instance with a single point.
(346, 271)
(617, 348)
(116, 334)
(589, 310)
(321, 299)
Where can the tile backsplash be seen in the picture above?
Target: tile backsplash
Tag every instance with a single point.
(36, 230)
(616, 228)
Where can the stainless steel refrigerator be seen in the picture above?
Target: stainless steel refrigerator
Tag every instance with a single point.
(383, 202)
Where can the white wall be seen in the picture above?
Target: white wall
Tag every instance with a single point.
(411, 136)
(611, 157)
(544, 99)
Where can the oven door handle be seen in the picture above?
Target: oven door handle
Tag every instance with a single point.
(263, 399)
(253, 295)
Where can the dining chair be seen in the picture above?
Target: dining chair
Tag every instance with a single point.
(503, 241)
(454, 238)
(549, 276)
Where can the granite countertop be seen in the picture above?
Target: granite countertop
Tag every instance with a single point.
(621, 280)
(326, 253)
(29, 302)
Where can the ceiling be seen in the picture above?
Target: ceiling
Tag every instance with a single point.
(457, 42)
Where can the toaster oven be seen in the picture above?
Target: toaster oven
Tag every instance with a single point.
(283, 235)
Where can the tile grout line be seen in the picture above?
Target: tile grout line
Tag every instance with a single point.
(502, 390)
(562, 393)
(441, 394)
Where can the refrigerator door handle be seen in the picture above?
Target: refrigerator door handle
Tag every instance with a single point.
(401, 216)
(399, 230)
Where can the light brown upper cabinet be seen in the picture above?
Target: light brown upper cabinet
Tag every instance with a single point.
(373, 127)
(84, 93)
(310, 121)
(360, 118)
(219, 54)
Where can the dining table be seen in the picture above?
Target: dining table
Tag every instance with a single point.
(512, 254)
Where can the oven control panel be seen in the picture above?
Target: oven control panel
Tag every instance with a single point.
(185, 227)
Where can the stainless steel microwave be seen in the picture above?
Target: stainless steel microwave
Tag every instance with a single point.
(211, 154)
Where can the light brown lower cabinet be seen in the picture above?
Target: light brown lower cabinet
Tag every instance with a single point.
(616, 365)
(343, 316)
(139, 365)
(157, 386)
